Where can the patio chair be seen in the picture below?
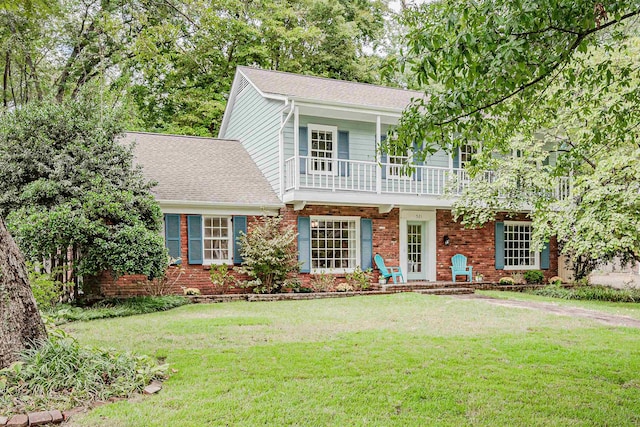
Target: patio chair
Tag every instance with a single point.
(388, 272)
(459, 267)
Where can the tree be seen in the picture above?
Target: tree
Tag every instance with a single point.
(72, 196)
(20, 324)
(543, 89)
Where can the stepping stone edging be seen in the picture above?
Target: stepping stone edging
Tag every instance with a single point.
(41, 418)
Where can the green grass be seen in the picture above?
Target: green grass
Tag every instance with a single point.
(621, 308)
(115, 308)
(403, 360)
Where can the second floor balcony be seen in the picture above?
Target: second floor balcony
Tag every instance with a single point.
(353, 177)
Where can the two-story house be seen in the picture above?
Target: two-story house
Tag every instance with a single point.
(315, 144)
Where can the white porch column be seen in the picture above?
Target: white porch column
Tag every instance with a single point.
(378, 157)
(296, 146)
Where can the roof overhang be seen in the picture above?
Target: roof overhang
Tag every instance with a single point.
(217, 208)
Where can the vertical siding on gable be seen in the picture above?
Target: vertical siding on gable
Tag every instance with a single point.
(255, 121)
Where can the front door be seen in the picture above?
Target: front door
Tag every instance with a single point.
(416, 262)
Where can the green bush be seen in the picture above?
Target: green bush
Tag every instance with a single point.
(269, 255)
(221, 277)
(534, 276)
(116, 308)
(597, 293)
(507, 281)
(323, 282)
(46, 290)
(359, 280)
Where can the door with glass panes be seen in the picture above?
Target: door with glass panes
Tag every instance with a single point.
(416, 244)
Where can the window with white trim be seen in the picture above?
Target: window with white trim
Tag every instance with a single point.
(323, 148)
(217, 239)
(334, 243)
(466, 152)
(517, 247)
(397, 167)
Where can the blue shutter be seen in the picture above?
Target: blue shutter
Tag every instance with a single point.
(239, 226)
(417, 175)
(366, 243)
(172, 236)
(544, 257)
(303, 144)
(343, 152)
(456, 158)
(383, 159)
(499, 245)
(194, 231)
(304, 243)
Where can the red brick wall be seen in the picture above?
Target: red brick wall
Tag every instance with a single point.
(478, 245)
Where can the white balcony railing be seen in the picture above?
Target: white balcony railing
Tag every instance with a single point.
(353, 175)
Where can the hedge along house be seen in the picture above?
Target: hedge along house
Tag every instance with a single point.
(209, 191)
(316, 140)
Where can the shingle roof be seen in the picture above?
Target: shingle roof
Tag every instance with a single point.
(195, 169)
(329, 90)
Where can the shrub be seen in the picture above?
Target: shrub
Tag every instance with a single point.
(46, 290)
(359, 280)
(116, 308)
(63, 374)
(191, 291)
(597, 293)
(269, 254)
(507, 281)
(164, 285)
(220, 276)
(534, 276)
(518, 278)
(555, 280)
(323, 282)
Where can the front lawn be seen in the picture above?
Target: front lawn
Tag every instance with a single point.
(404, 359)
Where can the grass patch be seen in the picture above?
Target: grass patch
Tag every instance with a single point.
(115, 308)
(405, 360)
(591, 292)
(62, 374)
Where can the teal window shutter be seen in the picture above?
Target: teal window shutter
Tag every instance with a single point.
(366, 243)
(304, 243)
(239, 226)
(303, 141)
(343, 152)
(172, 236)
(499, 245)
(544, 257)
(194, 231)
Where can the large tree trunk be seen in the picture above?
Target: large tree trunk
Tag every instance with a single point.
(20, 324)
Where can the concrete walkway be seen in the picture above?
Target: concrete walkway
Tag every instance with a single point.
(599, 316)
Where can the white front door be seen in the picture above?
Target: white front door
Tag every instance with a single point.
(416, 253)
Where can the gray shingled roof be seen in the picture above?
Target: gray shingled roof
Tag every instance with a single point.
(329, 90)
(207, 170)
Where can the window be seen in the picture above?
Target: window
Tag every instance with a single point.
(466, 152)
(323, 142)
(334, 243)
(517, 244)
(216, 240)
(397, 167)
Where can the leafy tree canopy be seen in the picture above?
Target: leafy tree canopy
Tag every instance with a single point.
(71, 194)
(544, 89)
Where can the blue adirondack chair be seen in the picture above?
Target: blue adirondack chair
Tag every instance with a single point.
(388, 272)
(459, 267)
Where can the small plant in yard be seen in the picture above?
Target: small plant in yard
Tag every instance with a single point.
(63, 374)
(594, 292)
(221, 277)
(344, 287)
(507, 281)
(323, 282)
(190, 291)
(518, 278)
(359, 280)
(555, 280)
(534, 277)
(269, 254)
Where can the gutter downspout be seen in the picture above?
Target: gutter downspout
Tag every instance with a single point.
(281, 144)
